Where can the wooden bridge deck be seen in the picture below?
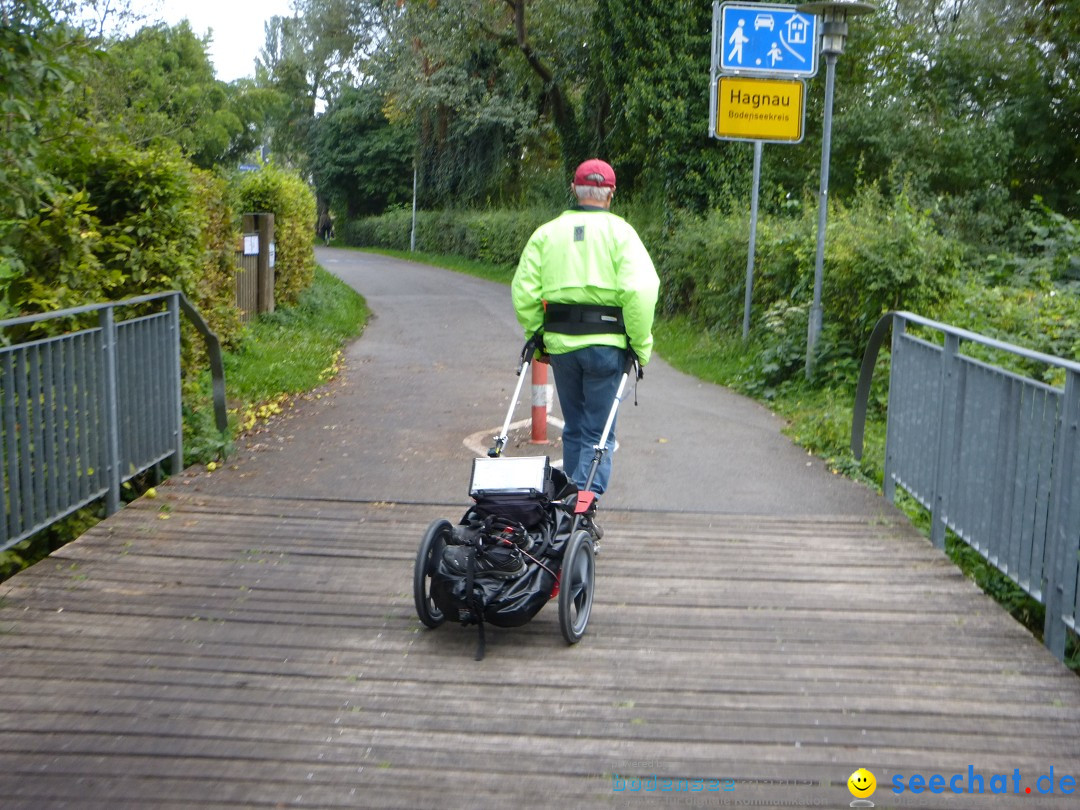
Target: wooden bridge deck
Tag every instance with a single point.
(203, 651)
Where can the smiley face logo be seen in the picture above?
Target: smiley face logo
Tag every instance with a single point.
(862, 784)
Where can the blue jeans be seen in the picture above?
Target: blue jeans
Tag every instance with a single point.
(587, 380)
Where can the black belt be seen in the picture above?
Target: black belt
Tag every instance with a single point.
(583, 319)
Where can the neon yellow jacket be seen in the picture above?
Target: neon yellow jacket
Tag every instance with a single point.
(587, 256)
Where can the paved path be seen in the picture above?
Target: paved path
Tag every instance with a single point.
(436, 365)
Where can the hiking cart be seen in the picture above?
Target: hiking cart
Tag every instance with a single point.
(530, 536)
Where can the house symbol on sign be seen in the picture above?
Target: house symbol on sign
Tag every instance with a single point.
(797, 26)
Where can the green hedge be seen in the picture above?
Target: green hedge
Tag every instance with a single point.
(495, 237)
(128, 222)
(128, 226)
(215, 295)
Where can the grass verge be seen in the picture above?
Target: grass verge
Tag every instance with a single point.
(294, 349)
(458, 263)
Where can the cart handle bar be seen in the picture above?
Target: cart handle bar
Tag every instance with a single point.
(532, 345)
(535, 344)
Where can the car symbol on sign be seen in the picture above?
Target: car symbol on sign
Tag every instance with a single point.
(764, 21)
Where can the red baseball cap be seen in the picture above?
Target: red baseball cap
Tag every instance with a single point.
(595, 172)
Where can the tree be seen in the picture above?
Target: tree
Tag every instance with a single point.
(41, 65)
(495, 90)
(655, 83)
(360, 161)
(970, 104)
(159, 84)
(309, 58)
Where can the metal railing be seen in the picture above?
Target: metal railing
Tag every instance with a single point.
(992, 454)
(83, 412)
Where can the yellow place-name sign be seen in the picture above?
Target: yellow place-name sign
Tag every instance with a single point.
(760, 109)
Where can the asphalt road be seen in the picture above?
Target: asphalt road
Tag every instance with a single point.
(436, 365)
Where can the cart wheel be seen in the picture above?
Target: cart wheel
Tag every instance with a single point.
(431, 548)
(576, 586)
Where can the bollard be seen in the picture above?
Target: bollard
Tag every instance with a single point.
(540, 398)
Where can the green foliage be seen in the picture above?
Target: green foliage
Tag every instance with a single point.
(880, 255)
(494, 237)
(1044, 318)
(124, 223)
(159, 85)
(388, 230)
(41, 61)
(308, 58)
(360, 161)
(492, 91)
(285, 195)
(883, 255)
(655, 65)
(215, 294)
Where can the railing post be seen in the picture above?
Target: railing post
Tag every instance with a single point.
(177, 465)
(948, 414)
(888, 483)
(1061, 560)
(107, 321)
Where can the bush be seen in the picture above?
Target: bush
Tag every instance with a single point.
(702, 266)
(390, 230)
(215, 295)
(880, 255)
(495, 237)
(291, 201)
(126, 223)
(130, 222)
(1042, 316)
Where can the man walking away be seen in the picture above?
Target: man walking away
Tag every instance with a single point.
(586, 280)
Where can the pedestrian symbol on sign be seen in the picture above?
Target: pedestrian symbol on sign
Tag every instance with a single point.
(775, 54)
(739, 39)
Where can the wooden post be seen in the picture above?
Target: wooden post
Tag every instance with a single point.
(265, 224)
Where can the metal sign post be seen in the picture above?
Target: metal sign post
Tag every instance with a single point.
(753, 242)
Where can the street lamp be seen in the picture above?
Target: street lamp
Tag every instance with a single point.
(834, 14)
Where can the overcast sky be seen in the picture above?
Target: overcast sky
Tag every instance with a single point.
(237, 25)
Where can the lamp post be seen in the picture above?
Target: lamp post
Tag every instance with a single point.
(834, 15)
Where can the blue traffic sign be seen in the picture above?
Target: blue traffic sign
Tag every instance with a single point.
(766, 40)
